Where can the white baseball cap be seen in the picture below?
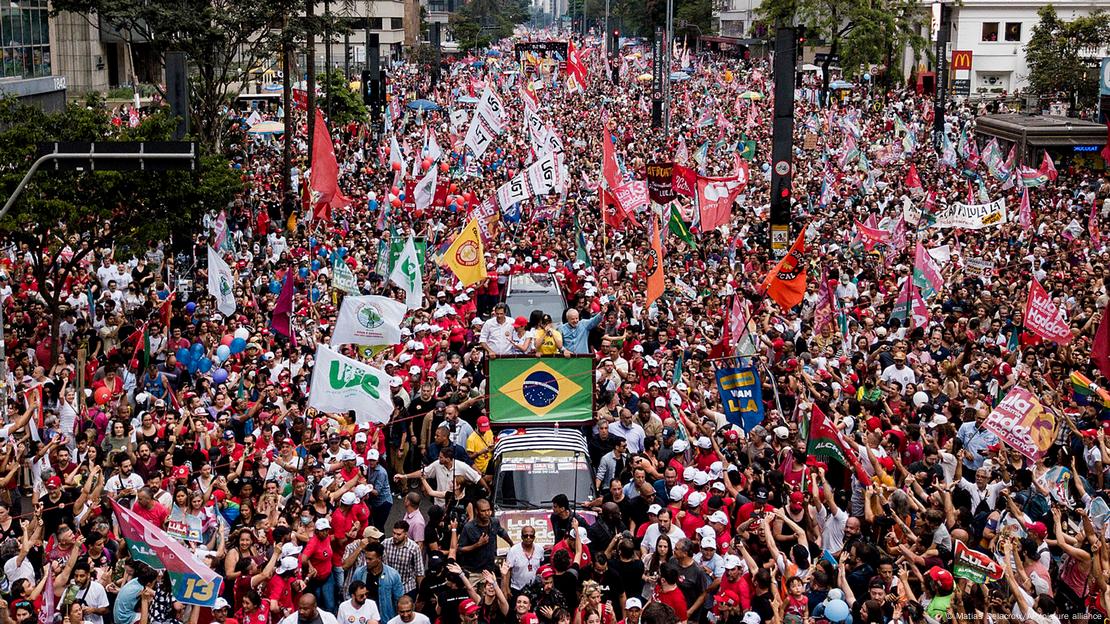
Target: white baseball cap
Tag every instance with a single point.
(680, 446)
(719, 517)
(582, 537)
(349, 498)
(732, 561)
(288, 564)
(705, 443)
(701, 478)
(323, 524)
(633, 603)
(695, 499)
(709, 542)
(654, 508)
(678, 492)
(373, 455)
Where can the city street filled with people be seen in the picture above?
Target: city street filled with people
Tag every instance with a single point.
(902, 420)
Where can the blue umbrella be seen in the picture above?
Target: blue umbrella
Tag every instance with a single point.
(478, 64)
(494, 53)
(423, 105)
(679, 76)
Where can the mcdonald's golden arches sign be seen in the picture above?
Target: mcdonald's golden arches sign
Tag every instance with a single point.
(961, 59)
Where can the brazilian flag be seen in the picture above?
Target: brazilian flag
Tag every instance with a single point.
(529, 390)
(747, 148)
(679, 229)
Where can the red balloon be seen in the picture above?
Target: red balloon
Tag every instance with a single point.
(424, 164)
(454, 188)
(396, 203)
(394, 191)
(102, 395)
(226, 340)
(443, 166)
(396, 166)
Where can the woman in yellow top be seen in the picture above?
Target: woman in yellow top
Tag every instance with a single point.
(549, 341)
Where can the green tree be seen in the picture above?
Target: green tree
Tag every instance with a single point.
(1063, 56)
(861, 32)
(86, 211)
(225, 41)
(346, 104)
(480, 22)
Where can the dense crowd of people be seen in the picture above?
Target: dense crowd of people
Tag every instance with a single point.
(321, 517)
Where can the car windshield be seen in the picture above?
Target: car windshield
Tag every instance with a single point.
(531, 482)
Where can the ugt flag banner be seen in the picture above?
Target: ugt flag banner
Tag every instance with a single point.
(192, 581)
(741, 395)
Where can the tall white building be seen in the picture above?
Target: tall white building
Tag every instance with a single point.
(734, 18)
(996, 32)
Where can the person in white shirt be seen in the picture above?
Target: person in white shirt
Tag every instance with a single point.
(125, 482)
(308, 613)
(359, 609)
(86, 588)
(407, 613)
(496, 336)
(524, 559)
(662, 527)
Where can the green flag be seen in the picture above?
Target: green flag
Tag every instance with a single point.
(342, 278)
(747, 149)
(679, 229)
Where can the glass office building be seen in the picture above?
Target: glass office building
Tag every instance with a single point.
(24, 39)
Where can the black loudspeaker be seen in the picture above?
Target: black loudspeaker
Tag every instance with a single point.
(782, 139)
(177, 91)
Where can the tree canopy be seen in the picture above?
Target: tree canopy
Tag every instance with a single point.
(1061, 55)
(62, 217)
(479, 22)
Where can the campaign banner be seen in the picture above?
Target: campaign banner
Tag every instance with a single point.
(972, 216)
(369, 320)
(183, 526)
(192, 581)
(1023, 423)
(974, 565)
(633, 195)
(978, 267)
(741, 395)
(1043, 318)
(660, 176)
(342, 278)
(684, 181)
(341, 384)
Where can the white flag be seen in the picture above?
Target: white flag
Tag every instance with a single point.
(395, 153)
(409, 275)
(340, 384)
(221, 283)
(432, 147)
(425, 189)
(368, 320)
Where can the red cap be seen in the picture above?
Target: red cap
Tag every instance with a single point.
(520, 321)
(732, 435)
(797, 498)
(468, 607)
(942, 577)
(181, 472)
(874, 423)
(546, 571)
(54, 481)
(1090, 433)
(728, 598)
(1037, 528)
(483, 424)
(887, 463)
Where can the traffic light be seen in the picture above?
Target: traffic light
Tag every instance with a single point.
(800, 35)
(614, 42)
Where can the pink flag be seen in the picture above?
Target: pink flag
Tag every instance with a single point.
(323, 179)
(824, 312)
(871, 236)
(1025, 212)
(926, 273)
(1043, 318)
(49, 607)
(1048, 168)
(1092, 225)
(281, 320)
(913, 181)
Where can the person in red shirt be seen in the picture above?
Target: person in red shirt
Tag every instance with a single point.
(571, 542)
(151, 510)
(255, 610)
(319, 553)
(668, 592)
(280, 588)
(736, 581)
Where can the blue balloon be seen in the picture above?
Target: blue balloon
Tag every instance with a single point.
(401, 197)
(453, 207)
(223, 352)
(837, 611)
(205, 365)
(197, 349)
(190, 307)
(219, 376)
(342, 252)
(323, 253)
(311, 241)
(373, 204)
(183, 355)
(275, 287)
(303, 272)
(193, 367)
(315, 265)
(315, 295)
(238, 345)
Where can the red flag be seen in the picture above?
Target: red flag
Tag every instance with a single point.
(1043, 318)
(913, 181)
(1100, 350)
(654, 265)
(786, 283)
(281, 320)
(615, 214)
(823, 438)
(575, 67)
(167, 309)
(324, 178)
(715, 199)
(1047, 167)
(609, 169)
(684, 180)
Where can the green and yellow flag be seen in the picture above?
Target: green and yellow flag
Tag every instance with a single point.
(529, 390)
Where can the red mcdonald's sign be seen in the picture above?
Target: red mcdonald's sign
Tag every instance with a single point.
(961, 59)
